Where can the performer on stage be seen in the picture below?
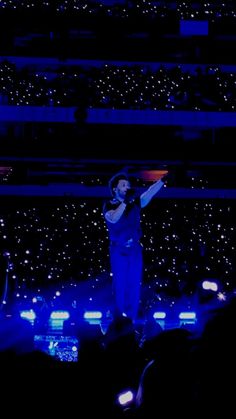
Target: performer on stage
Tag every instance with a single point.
(122, 214)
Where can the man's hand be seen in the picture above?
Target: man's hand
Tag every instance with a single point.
(167, 177)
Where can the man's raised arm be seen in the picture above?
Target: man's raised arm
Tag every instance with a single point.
(146, 196)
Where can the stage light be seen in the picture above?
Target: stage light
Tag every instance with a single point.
(59, 315)
(187, 315)
(125, 398)
(187, 318)
(159, 315)
(92, 315)
(28, 315)
(210, 285)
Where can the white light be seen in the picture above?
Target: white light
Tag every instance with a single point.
(126, 397)
(210, 285)
(92, 315)
(59, 315)
(159, 315)
(187, 315)
(28, 314)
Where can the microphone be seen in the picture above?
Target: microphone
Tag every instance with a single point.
(130, 192)
(129, 196)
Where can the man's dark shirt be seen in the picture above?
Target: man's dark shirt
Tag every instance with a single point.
(128, 227)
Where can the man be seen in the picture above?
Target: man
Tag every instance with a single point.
(123, 215)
